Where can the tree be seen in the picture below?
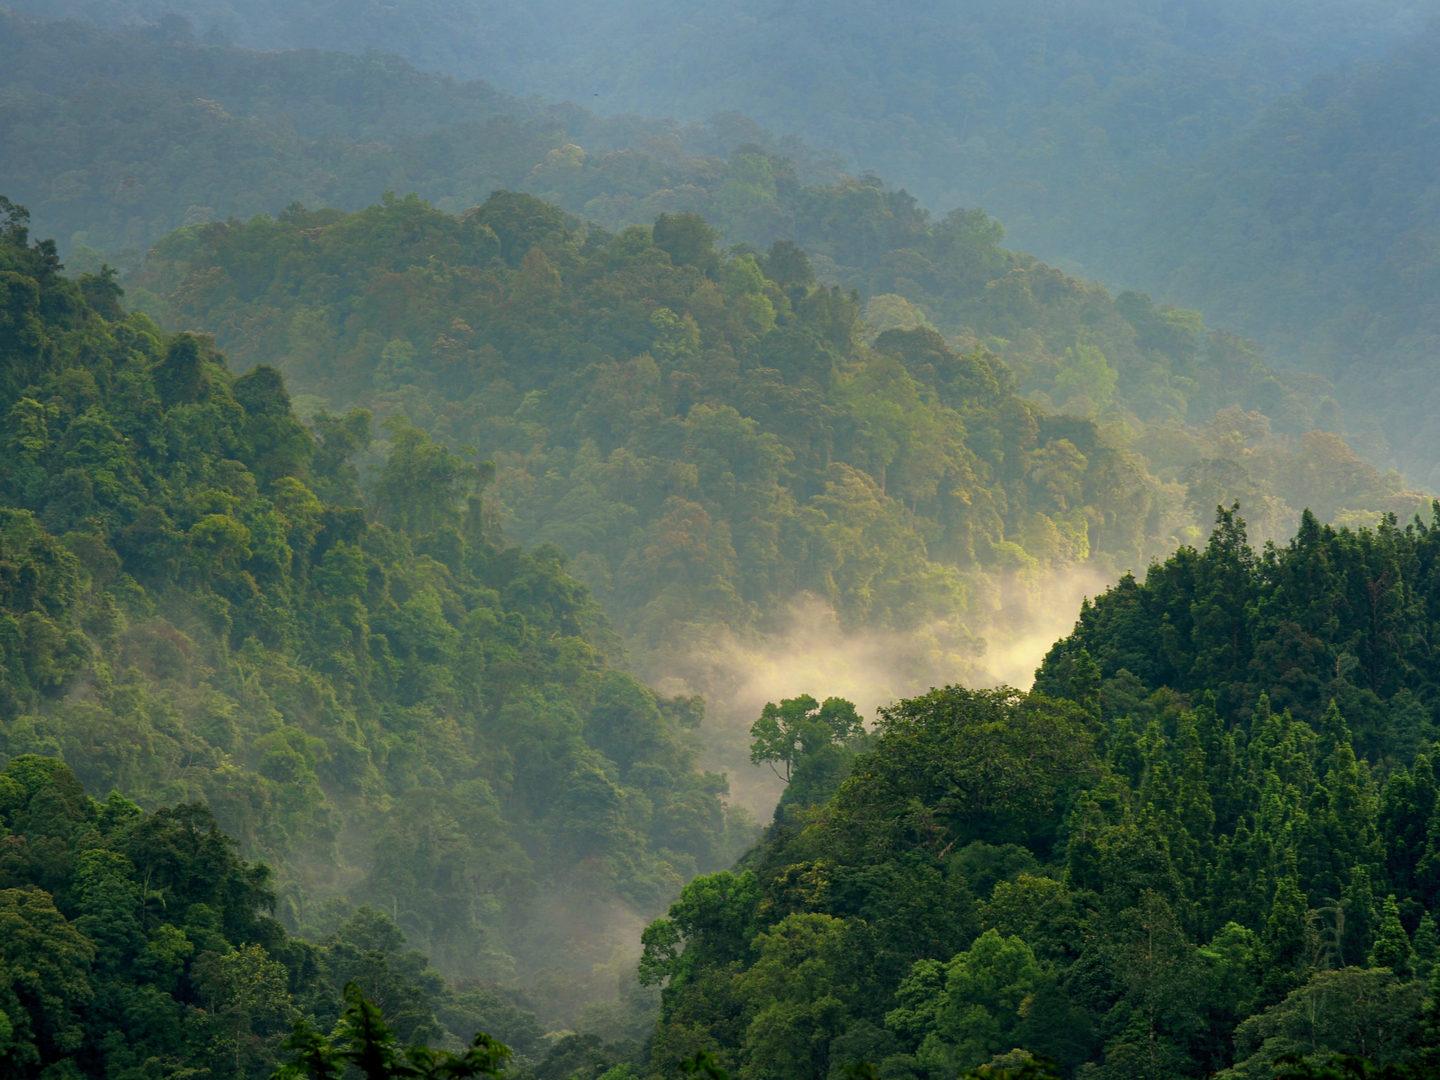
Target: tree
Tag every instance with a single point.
(1161, 1011)
(180, 376)
(689, 241)
(247, 996)
(44, 980)
(422, 484)
(367, 952)
(362, 1041)
(962, 1015)
(786, 733)
(1392, 944)
(799, 994)
(1363, 1011)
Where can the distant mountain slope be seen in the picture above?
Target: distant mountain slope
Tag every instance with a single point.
(83, 111)
(1053, 116)
(711, 432)
(1319, 231)
(708, 433)
(239, 131)
(371, 689)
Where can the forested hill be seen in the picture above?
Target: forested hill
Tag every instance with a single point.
(709, 432)
(324, 639)
(398, 459)
(1205, 844)
(137, 943)
(1259, 209)
(84, 109)
(1315, 229)
(1332, 616)
(1054, 116)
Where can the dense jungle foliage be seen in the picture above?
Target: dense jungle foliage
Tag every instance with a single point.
(710, 431)
(340, 531)
(706, 432)
(1153, 144)
(1203, 844)
(263, 131)
(137, 944)
(201, 600)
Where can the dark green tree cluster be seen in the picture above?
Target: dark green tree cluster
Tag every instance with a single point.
(135, 944)
(1333, 617)
(363, 1043)
(200, 600)
(1204, 845)
(138, 944)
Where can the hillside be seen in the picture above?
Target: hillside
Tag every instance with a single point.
(1268, 163)
(1055, 117)
(201, 599)
(82, 111)
(137, 943)
(1315, 231)
(1198, 859)
(262, 131)
(437, 522)
(241, 132)
(710, 432)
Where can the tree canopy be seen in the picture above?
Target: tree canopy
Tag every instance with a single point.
(317, 630)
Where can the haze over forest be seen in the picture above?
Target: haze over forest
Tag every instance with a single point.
(572, 541)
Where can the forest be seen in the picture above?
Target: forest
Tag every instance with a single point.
(571, 542)
(368, 687)
(1259, 205)
(1055, 116)
(1347, 165)
(1202, 844)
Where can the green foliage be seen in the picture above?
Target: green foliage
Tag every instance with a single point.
(1369, 1013)
(717, 443)
(202, 599)
(1257, 158)
(130, 938)
(916, 474)
(1203, 845)
(1167, 860)
(809, 745)
(965, 1013)
(799, 727)
(703, 439)
(363, 1042)
(140, 944)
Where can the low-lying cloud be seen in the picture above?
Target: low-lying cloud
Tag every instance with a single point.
(1001, 640)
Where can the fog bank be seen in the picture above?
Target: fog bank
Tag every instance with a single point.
(1012, 623)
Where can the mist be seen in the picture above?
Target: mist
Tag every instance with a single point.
(415, 411)
(1013, 622)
